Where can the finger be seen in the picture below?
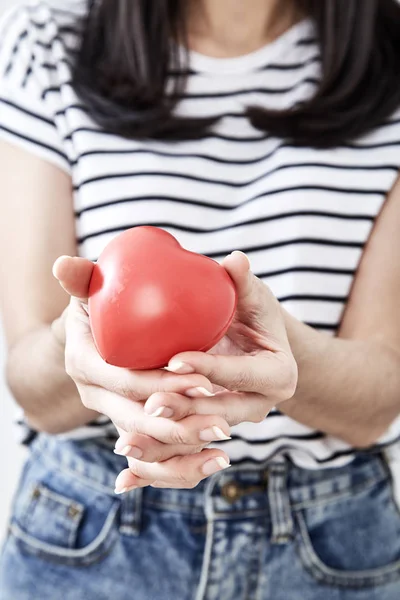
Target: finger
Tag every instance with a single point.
(147, 449)
(259, 317)
(246, 373)
(193, 431)
(84, 362)
(238, 266)
(74, 274)
(140, 385)
(270, 374)
(257, 305)
(232, 407)
(176, 406)
(178, 472)
(129, 417)
(127, 481)
(122, 412)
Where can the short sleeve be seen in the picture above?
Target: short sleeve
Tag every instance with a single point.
(26, 118)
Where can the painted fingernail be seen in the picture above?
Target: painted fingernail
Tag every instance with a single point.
(213, 434)
(163, 411)
(177, 366)
(199, 391)
(124, 451)
(125, 489)
(215, 465)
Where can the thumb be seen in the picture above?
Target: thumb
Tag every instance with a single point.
(257, 306)
(74, 275)
(238, 267)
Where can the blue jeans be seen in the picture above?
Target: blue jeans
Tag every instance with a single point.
(272, 532)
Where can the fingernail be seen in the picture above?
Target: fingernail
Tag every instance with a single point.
(59, 259)
(199, 391)
(242, 254)
(215, 465)
(177, 366)
(213, 434)
(163, 411)
(135, 452)
(124, 452)
(125, 489)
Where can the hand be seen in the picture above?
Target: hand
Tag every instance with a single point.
(253, 364)
(119, 394)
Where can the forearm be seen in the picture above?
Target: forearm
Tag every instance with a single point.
(348, 388)
(37, 379)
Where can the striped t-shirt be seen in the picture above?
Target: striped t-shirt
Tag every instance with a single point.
(302, 215)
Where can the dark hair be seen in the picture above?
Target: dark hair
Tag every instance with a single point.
(125, 59)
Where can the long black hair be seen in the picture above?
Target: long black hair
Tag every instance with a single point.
(126, 57)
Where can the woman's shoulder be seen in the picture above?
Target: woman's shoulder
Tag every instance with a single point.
(39, 33)
(37, 39)
(41, 16)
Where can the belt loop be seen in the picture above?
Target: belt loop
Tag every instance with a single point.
(131, 512)
(279, 505)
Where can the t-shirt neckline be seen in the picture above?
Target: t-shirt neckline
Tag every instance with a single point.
(259, 58)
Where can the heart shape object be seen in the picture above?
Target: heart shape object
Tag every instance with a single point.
(150, 299)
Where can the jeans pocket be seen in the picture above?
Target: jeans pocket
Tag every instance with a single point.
(352, 541)
(59, 518)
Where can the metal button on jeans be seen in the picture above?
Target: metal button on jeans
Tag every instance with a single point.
(231, 491)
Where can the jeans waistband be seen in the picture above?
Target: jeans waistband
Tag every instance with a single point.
(240, 489)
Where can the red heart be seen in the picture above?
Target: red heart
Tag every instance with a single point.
(150, 299)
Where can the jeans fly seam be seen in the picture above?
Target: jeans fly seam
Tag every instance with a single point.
(131, 512)
(205, 568)
(279, 502)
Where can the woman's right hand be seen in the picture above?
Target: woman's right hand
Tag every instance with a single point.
(120, 394)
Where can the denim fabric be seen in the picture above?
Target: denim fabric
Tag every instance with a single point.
(270, 532)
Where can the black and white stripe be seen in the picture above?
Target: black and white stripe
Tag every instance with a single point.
(302, 215)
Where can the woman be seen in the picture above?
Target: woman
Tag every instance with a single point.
(267, 127)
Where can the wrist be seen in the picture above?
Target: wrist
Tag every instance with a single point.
(305, 341)
(311, 350)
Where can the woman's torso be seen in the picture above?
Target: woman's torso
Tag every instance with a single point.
(302, 215)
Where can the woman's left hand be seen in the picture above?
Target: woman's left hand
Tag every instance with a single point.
(252, 369)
